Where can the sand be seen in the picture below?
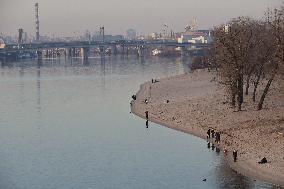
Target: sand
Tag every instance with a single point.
(197, 102)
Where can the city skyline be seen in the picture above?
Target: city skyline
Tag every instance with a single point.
(118, 16)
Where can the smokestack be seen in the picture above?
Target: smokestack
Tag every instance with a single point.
(37, 22)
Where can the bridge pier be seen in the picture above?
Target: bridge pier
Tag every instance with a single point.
(183, 52)
(39, 54)
(102, 51)
(114, 50)
(85, 52)
(69, 52)
(141, 51)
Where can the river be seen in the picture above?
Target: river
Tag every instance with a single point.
(67, 124)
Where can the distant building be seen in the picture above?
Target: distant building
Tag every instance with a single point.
(2, 44)
(200, 36)
(131, 34)
(155, 36)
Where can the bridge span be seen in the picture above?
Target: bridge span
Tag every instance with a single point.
(85, 46)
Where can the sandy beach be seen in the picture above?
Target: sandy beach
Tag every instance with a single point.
(196, 102)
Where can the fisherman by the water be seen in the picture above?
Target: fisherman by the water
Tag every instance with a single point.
(235, 155)
(147, 116)
(217, 137)
(208, 133)
(212, 133)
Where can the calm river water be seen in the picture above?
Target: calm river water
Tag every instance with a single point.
(67, 124)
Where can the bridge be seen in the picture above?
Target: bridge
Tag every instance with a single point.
(85, 46)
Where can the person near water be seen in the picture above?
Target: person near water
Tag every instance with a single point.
(147, 124)
(147, 116)
(217, 137)
(235, 155)
(134, 97)
(208, 133)
(212, 133)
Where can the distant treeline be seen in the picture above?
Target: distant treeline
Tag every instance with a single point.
(249, 52)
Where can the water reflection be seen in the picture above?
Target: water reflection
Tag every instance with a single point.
(39, 64)
(147, 124)
(232, 179)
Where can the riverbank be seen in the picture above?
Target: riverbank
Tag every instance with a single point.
(197, 102)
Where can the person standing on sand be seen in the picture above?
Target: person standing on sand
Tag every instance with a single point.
(208, 133)
(235, 155)
(217, 137)
(147, 116)
(212, 133)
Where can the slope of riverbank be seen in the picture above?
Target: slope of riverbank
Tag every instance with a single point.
(196, 103)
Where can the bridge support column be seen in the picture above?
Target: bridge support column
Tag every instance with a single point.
(114, 50)
(69, 52)
(85, 52)
(39, 55)
(183, 52)
(102, 51)
(141, 51)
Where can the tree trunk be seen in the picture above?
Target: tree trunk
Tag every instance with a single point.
(233, 94)
(247, 85)
(257, 82)
(233, 100)
(259, 107)
(240, 92)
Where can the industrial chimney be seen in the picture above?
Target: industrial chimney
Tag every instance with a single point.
(37, 22)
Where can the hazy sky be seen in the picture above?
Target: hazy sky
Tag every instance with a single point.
(69, 17)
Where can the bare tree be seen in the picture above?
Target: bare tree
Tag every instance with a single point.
(233, 44)
(275, 24)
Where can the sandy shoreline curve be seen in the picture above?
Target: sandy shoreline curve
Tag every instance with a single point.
(197, 102)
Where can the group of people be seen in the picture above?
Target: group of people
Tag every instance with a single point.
(212, 134)
(217, 136)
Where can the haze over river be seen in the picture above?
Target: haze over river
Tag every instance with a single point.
(67, 124)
